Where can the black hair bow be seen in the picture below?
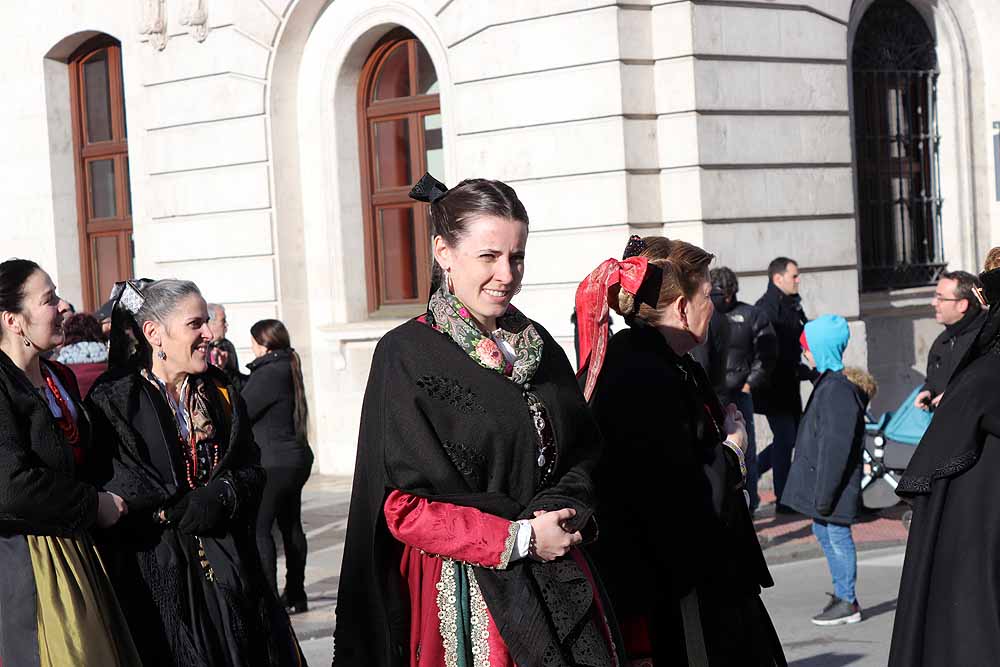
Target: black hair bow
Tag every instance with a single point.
(428, 189)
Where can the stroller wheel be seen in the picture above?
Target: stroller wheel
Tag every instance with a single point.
(907, 518)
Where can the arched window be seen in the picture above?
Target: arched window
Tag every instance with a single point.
(104, 205)
(896, 148)
(400, 128)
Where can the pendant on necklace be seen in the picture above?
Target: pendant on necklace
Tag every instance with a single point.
(541, 460)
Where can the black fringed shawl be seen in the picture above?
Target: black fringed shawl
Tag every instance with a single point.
(438, 425)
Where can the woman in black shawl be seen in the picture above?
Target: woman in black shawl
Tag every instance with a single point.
(948, 611)
(686, 593)
(472, 485)
(184, 561)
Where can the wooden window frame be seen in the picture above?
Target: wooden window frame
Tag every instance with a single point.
(90, 228)
(414, 109)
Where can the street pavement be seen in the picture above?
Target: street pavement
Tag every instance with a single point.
(800, 574)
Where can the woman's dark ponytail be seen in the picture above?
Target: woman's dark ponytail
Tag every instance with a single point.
(273, 335)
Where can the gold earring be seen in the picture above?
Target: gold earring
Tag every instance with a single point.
(450, 284)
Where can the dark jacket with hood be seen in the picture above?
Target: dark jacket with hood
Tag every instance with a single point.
(948, 595)
(752, 349)
(782, 394)
(270, 397)
(713, 353)
(950, 347)
(825, 479)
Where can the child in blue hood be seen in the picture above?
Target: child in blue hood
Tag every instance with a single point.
(825, 480)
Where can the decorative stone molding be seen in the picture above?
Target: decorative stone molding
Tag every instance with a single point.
(154, 22)
(196, 18)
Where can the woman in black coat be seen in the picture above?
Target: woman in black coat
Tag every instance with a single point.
(184, 563)
(686, 591)
(949, 595)
(276, 404)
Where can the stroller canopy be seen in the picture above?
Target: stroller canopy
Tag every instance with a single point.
(906, 424)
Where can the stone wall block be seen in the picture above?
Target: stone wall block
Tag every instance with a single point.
(235, 188)
(771, 139)
(638, 85)
(643, 198)
(578, 253)
(751, 246)
(233, 280)
(575, 202)
(527, 46)
(545, 151)
(216, 144)
(464, 17)
(202, 99)
(681, 194)
(640, 144)
(764, 32)
(225, 51)
(678, 140)
(635, 34)
(673, 35)
(542, 97)
(246, 233)
(755, 193)
(675, 85)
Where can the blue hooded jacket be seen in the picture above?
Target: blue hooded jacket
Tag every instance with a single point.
(827, 337)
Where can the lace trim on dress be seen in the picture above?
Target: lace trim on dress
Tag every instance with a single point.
(508, 545)
(447, 603)
(480, 620)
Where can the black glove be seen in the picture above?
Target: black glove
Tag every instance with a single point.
(203, 511)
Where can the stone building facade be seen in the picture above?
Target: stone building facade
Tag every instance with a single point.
(244, 151)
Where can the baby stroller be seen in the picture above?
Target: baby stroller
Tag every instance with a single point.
(889, 444)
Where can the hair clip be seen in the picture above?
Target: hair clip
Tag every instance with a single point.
(634, 247)
(128, 295)
(428, 189)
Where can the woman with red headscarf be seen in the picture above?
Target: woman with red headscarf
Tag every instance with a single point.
(687, 592)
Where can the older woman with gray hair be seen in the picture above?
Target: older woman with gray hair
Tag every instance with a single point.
(185, 564)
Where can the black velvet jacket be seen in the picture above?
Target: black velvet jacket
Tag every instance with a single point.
(42, 491)
(178, 614)
(437, 425)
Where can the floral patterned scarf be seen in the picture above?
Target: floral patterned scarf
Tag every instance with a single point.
(448, 315)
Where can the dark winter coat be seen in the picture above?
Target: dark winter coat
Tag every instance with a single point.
(752, 349)
(157, 570)
(782, 394)
(950, 347)
(949, 593)
(663, 457)
(270, 400)
(825, 479)
(712, 354)
(42, 491)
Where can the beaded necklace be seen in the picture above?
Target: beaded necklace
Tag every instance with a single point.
(67, 425)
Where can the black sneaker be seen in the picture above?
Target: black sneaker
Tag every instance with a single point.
(838, 612)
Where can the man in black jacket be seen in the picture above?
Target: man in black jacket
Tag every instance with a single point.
(781, 399)
(749, 358)
(957, 308)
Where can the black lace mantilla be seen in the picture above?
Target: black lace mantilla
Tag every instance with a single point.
(469, 462)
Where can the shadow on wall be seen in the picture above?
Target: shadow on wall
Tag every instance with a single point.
(828, 660)
(897, 348)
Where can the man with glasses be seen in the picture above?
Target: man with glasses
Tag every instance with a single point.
(957, 308)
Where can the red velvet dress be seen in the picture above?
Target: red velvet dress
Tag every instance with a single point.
(432, 532)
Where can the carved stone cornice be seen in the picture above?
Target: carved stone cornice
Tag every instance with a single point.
(196, 18)
(154, 22)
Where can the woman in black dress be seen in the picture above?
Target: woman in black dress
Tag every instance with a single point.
(472, 486)
(276, 404)
(57, 606)
(686, 590)
(184, 562)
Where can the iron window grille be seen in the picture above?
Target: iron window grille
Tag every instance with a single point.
(897, 143)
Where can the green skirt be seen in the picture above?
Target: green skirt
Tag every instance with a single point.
(79, 620)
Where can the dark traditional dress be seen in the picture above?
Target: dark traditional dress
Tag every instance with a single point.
(197, 600)
(456, 444)
(57, 606)
(948, 611)
(678, 551)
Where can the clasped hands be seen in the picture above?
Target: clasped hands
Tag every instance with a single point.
(551, 539)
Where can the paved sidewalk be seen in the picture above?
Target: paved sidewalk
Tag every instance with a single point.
(325, 505)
